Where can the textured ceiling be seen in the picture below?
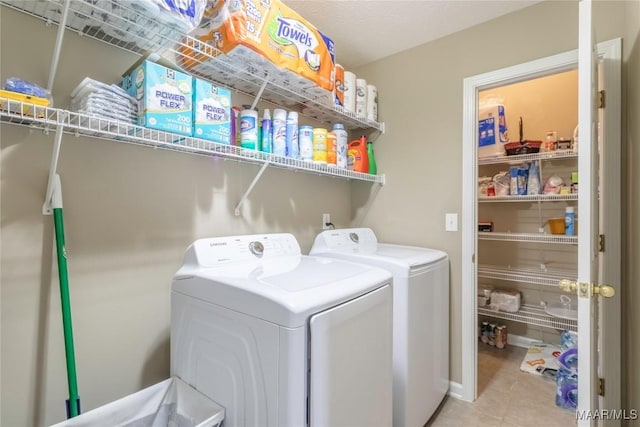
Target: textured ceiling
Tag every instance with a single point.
(364, 31)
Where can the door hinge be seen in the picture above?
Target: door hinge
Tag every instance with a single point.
(602, 100)
(601, 387)
(601, 243)
(473, 258)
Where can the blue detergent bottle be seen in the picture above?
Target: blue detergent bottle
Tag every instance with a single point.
(569, 221)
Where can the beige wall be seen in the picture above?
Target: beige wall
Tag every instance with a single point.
(130, 213)
(420, 93)
(545, 104)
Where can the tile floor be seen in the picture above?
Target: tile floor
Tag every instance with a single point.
(506, 396)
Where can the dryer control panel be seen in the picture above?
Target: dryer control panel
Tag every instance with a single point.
(222, 250)
(346, 238)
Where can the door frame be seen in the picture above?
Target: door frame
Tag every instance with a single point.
(610, 52)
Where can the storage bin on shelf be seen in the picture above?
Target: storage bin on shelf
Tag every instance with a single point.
(27, 105)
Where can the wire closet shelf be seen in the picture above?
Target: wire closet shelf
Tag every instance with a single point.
(528, 237)
(47, 119)
(127, 25)
(531, 315)
(535, 276)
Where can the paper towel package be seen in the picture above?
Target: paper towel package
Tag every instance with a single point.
(266, 36)
(492, 131)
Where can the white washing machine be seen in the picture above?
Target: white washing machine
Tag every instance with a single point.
(420, 316)
(282, 339)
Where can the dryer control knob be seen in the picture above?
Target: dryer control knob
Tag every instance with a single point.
(354, 237)
(256, 248)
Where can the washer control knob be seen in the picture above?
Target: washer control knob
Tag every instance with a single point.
(256, 248)
(354, 237)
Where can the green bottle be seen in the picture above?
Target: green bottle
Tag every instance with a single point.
(373, 169)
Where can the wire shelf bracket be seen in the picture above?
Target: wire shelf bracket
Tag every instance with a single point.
(58, 46)
(253, 184)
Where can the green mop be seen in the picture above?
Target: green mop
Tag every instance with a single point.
(73, 404)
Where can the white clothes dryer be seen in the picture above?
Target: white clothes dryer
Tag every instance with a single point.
(420, 316)
(282, 339)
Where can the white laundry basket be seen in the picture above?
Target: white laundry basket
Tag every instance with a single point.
(170, 403)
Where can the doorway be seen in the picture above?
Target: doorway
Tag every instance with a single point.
(610, 56)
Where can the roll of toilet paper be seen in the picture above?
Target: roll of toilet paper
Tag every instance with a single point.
(349, 91)
(361, 97)
(372, 103)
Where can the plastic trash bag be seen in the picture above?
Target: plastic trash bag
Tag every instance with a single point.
(171, 402)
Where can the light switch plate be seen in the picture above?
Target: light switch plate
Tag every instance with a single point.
(451, 222)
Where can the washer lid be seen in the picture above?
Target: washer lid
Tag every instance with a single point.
(285, 290)
(361, 244)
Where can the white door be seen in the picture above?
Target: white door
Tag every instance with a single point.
(350, 380)
(588, 287)
(588, 214)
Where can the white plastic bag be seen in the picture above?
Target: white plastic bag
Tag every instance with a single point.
(171, 402)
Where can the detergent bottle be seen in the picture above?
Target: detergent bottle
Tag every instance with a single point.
(373, 168)
(357, 159)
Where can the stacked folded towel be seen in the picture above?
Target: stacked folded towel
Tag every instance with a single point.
(95, 98)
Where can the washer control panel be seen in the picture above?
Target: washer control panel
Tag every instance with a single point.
(218, 250)
(256, 248)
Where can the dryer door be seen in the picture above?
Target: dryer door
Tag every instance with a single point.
(351, 363)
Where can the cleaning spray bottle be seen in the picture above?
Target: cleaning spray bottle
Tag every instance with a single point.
(267, 135)
(373, 168)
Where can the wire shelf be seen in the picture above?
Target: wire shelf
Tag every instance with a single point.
(529, 237)
(530, 198)
(545, 155)
(536, 276)
(124, 24)
(531, 315)
(45, 118)
(129, 26)
(244, 74)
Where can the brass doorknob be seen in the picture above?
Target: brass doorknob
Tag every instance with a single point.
(605, 291)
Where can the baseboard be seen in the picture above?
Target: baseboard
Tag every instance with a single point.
(455, 390)
(521, 341)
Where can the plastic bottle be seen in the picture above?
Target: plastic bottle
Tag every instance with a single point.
(235, 126)
(331, 149)
(569, 221)
(320, 145)
(279, 146)
(249, 129)
(341, 145)
(267, 135)
(305, 140)
(373, 168)
(291, 141)
(358, 161)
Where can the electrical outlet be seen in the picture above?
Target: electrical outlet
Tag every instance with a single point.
(326, 219)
